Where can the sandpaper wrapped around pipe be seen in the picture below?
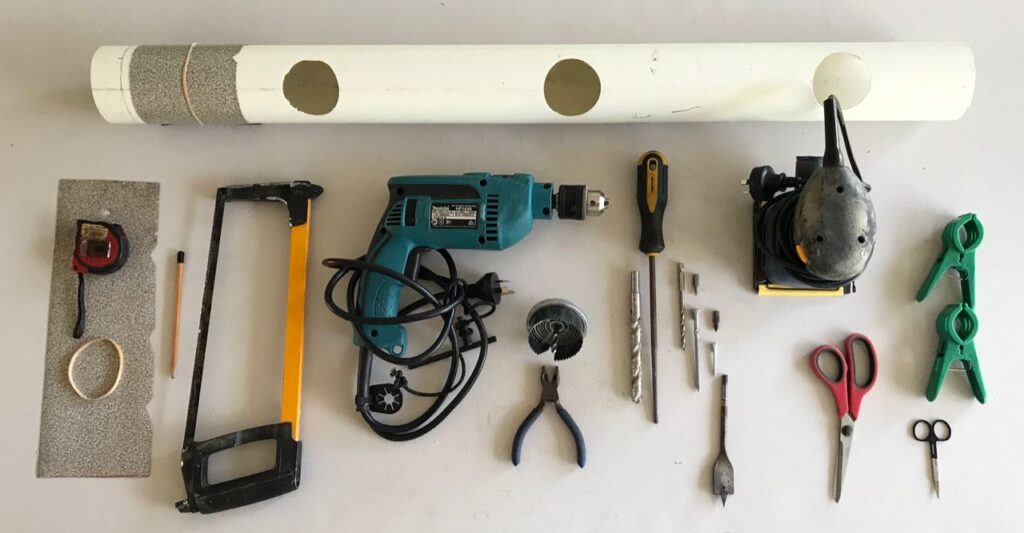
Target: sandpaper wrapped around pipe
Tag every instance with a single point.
(201, 84)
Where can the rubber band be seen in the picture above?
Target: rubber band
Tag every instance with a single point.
(74, 359)
(184, 84)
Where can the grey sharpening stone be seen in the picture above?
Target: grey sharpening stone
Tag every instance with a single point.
(112, 436)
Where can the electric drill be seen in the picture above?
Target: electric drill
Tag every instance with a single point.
(474, 211)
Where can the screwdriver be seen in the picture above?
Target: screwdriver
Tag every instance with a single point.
(651, 197)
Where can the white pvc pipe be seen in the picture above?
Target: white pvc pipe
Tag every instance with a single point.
(606, 83)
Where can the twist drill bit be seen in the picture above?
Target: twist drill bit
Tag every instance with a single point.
(636, 335)
(682, 306)
(696, 347)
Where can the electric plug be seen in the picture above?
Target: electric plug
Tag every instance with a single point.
(489, 289)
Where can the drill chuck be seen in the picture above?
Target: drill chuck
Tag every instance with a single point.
(577, 202)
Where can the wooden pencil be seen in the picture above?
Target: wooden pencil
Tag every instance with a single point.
(177, 313)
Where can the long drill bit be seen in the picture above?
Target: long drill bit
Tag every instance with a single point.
(696, 347)
(636, 336)
(682, 306)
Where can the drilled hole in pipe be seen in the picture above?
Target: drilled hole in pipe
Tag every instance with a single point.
(572, 87)
(844, 75)
(311, 87)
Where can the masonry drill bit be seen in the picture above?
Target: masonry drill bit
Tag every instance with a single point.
(636, 336)
(696, 347)
(682, 306)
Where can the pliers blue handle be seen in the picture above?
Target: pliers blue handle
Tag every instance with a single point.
(549, 393)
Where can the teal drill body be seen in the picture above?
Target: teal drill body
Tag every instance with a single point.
(475, 211)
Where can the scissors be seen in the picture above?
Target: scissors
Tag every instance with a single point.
(938, 431)
(847, 392)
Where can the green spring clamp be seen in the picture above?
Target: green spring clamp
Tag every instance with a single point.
(957, 254)
(957, 324)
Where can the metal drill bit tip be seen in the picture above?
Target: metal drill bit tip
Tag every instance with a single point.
(681, 274)
(597, 202)
(696, 347)
(722, 477)
(636, 338)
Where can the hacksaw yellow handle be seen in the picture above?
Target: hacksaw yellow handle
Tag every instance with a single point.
(295, 320)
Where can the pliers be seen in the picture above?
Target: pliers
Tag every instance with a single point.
(549, 393)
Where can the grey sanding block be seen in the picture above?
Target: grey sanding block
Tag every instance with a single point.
(112, 436)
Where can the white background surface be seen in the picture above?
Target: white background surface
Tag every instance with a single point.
(458, 478)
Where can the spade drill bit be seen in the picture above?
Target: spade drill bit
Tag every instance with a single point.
(722, 479)
(636, 335)
(696, 347)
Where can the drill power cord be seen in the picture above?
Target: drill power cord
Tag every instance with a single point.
(776, 217)
(456, 330)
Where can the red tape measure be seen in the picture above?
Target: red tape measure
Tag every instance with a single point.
(100, 248)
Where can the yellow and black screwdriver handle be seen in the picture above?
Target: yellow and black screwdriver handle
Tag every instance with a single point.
(652, 195)
(200, 495)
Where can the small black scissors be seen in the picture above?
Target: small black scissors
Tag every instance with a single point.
(938, 431)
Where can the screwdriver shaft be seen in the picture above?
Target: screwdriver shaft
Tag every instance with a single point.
(654, 339)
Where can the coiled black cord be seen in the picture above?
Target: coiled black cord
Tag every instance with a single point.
(774, 238)
(455, 330)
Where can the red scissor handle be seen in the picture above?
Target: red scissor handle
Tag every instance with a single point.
(838, 386)
(856, 390)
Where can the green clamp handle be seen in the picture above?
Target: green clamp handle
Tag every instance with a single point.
(957, 326)
(957, 254)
